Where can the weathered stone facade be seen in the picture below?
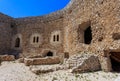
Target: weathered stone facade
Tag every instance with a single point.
(83, 25)
(5, 33)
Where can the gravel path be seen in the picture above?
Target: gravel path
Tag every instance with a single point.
(13, 71)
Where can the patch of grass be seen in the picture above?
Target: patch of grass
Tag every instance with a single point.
(76, 75)
(54, 78)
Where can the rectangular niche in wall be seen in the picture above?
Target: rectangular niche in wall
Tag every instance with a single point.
(116, 36)
(85, 33)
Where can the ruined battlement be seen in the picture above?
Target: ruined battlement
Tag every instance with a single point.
(46, 18)
(49, 17)
(5, 18)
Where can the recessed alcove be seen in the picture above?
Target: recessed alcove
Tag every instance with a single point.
(49, 54)
(85, 33)
(115, 61)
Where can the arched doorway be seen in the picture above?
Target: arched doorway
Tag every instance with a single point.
(17, 42)
(49, 53)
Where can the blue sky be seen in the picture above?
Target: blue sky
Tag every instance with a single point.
(24, 8)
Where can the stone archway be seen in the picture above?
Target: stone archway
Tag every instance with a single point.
(49, 53)
(17, 42)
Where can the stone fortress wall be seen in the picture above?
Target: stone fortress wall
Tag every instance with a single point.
(83, 25)
(5, 33)
(45, 28)
(103, 18)
(99, 19)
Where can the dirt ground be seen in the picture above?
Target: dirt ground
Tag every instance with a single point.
(14, 71)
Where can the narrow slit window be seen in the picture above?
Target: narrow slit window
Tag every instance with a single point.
(34, 39)
(57, 37)
(37, 39)
(54, 38)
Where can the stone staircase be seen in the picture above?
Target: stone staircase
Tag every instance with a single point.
(83, 62)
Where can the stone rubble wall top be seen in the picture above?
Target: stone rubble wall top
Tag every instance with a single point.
(49, 17)
(5, 18)
(45, 18)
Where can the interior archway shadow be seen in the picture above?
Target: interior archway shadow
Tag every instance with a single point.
(49, 54)
(115, 61)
